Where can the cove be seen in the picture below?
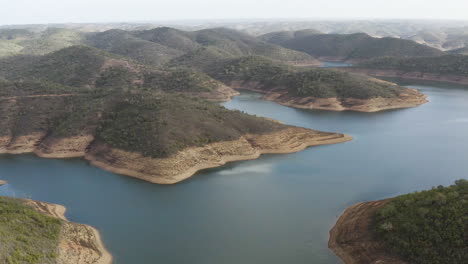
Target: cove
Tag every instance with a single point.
(276, 209)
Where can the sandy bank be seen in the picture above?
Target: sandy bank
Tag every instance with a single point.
(78, 244)
(352, 240)
(177, 167)
(408, 98)
(458, 79)
(2, 182)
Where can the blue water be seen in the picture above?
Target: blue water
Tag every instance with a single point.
(329, 64)
(276, 209)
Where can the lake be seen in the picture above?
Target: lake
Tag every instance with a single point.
(276, 209)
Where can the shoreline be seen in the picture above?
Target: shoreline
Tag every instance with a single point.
(178, 167)
(410, 98)
(214, 163)
(422, 76)
(66, 244)
(352, 240)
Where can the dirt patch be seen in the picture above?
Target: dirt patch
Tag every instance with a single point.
(352, 239)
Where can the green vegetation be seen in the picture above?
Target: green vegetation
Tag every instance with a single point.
(163, 124)
(357, 46)
(22, 41)
(73, 66)
(179, 81)
(448, 64)
(324, 83)
(428, 227)
(124, 43)
(216, 45)
(26, 236)
(149, 121)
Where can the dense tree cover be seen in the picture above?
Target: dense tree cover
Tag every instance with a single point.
(218, 44)
(23, 41)
(87, 68)
(428, 227)
(74, 66)
(152, 122)
(357, 46)
(161, 125)
(181, 80)
(124, 43)
(324, 83)
(448, 64)
(26, 236)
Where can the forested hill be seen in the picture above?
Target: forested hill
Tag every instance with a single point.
(355, 47)
(427, 227)
(448, 64)
(316, 82)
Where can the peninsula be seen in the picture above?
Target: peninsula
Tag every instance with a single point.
(38, 232)
(323, 89)
(423, 227)
(448, 68)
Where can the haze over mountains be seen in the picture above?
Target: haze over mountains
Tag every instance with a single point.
(440, 34)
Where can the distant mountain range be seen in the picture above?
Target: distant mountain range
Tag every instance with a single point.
(440, 34)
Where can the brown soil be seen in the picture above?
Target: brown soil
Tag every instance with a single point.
(177, 167)
(352, 240)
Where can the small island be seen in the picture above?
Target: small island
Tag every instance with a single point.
(422, 227)
(38, 232)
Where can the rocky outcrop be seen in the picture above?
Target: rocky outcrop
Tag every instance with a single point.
(408, 98)
(353, 241)
(177, 167)
(458, 79)
(78, 243)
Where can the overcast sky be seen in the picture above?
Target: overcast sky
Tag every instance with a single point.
(59, 11)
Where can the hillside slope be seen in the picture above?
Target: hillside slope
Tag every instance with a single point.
(314, 88)
(448, 68)
(159, 136)
(426, 227)
(37, 232)
(357, 47)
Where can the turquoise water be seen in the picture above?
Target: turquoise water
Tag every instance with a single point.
(276, 209)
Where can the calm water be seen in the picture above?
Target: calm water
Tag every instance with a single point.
(277, 209)
(329, 64)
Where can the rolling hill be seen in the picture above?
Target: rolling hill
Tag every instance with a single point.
(422, 227)
(312, 88)
(357, 47)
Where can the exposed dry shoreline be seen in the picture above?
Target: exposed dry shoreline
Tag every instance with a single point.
(175, 168)
(409, 98)
(458, 79)
(351, 238)
(78, 244)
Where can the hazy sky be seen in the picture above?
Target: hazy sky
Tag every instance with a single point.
(57, 11)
